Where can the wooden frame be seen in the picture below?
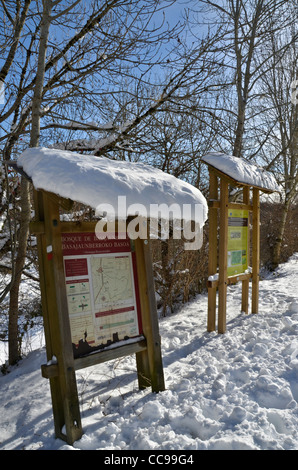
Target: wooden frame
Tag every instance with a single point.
(218, 250)
(61, 366)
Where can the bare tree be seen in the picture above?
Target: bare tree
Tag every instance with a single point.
(278, 131)
(25, 202)
(246, 26)
(66, 75)
(64, 70)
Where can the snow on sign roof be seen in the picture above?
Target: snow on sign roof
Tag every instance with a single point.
(98, 180)
(242, 171)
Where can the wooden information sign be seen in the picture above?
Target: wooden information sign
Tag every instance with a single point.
(231, 260)
(97, 288)
(230, 253)
(98, 302)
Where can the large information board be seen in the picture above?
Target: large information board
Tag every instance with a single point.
(102, 291)
(237, 241)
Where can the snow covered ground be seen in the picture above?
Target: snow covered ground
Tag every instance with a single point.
(235, 391)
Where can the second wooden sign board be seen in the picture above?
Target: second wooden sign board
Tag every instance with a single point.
(229, 243)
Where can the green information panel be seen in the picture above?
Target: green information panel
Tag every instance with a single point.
(237, 241)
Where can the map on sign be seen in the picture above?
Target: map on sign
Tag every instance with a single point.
(112, 280)
(101, 291)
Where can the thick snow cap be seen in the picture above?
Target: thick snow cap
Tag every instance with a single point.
(242, 171)
(97, 181)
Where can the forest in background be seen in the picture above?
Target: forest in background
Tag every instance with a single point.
(138, 81)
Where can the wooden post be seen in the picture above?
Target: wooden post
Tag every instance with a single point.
(212, 261)
(149, 362)
(56, 323)
(253, 255)
(245, 283)
(143, 368)
(223, 256)
(255, 250)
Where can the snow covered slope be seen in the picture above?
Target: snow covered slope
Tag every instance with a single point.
(235, 391)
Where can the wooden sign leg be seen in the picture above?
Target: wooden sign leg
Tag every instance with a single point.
(212, 261)
(223, 256)
(149, 362)
(245, 283)
(255, 251)
(56, 323)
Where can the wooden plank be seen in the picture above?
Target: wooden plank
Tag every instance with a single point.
(245, 282)
(78, 226)
(82, 226)
(49, 371)
(213, 204)
(154, 340)
(66, 204)
(64, 393)
(47, 299)
(231, 279)
(152, 364)
(52, 370)
(255, 251)
(239, 205)
(143, 368)
(212, 261)
(223, 256)
(36, 227)
(110, 354)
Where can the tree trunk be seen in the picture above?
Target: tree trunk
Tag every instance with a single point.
(25, 203)
(290, 186)
(13, 331)
(243, 70)
(280, 236)
(238, 143)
